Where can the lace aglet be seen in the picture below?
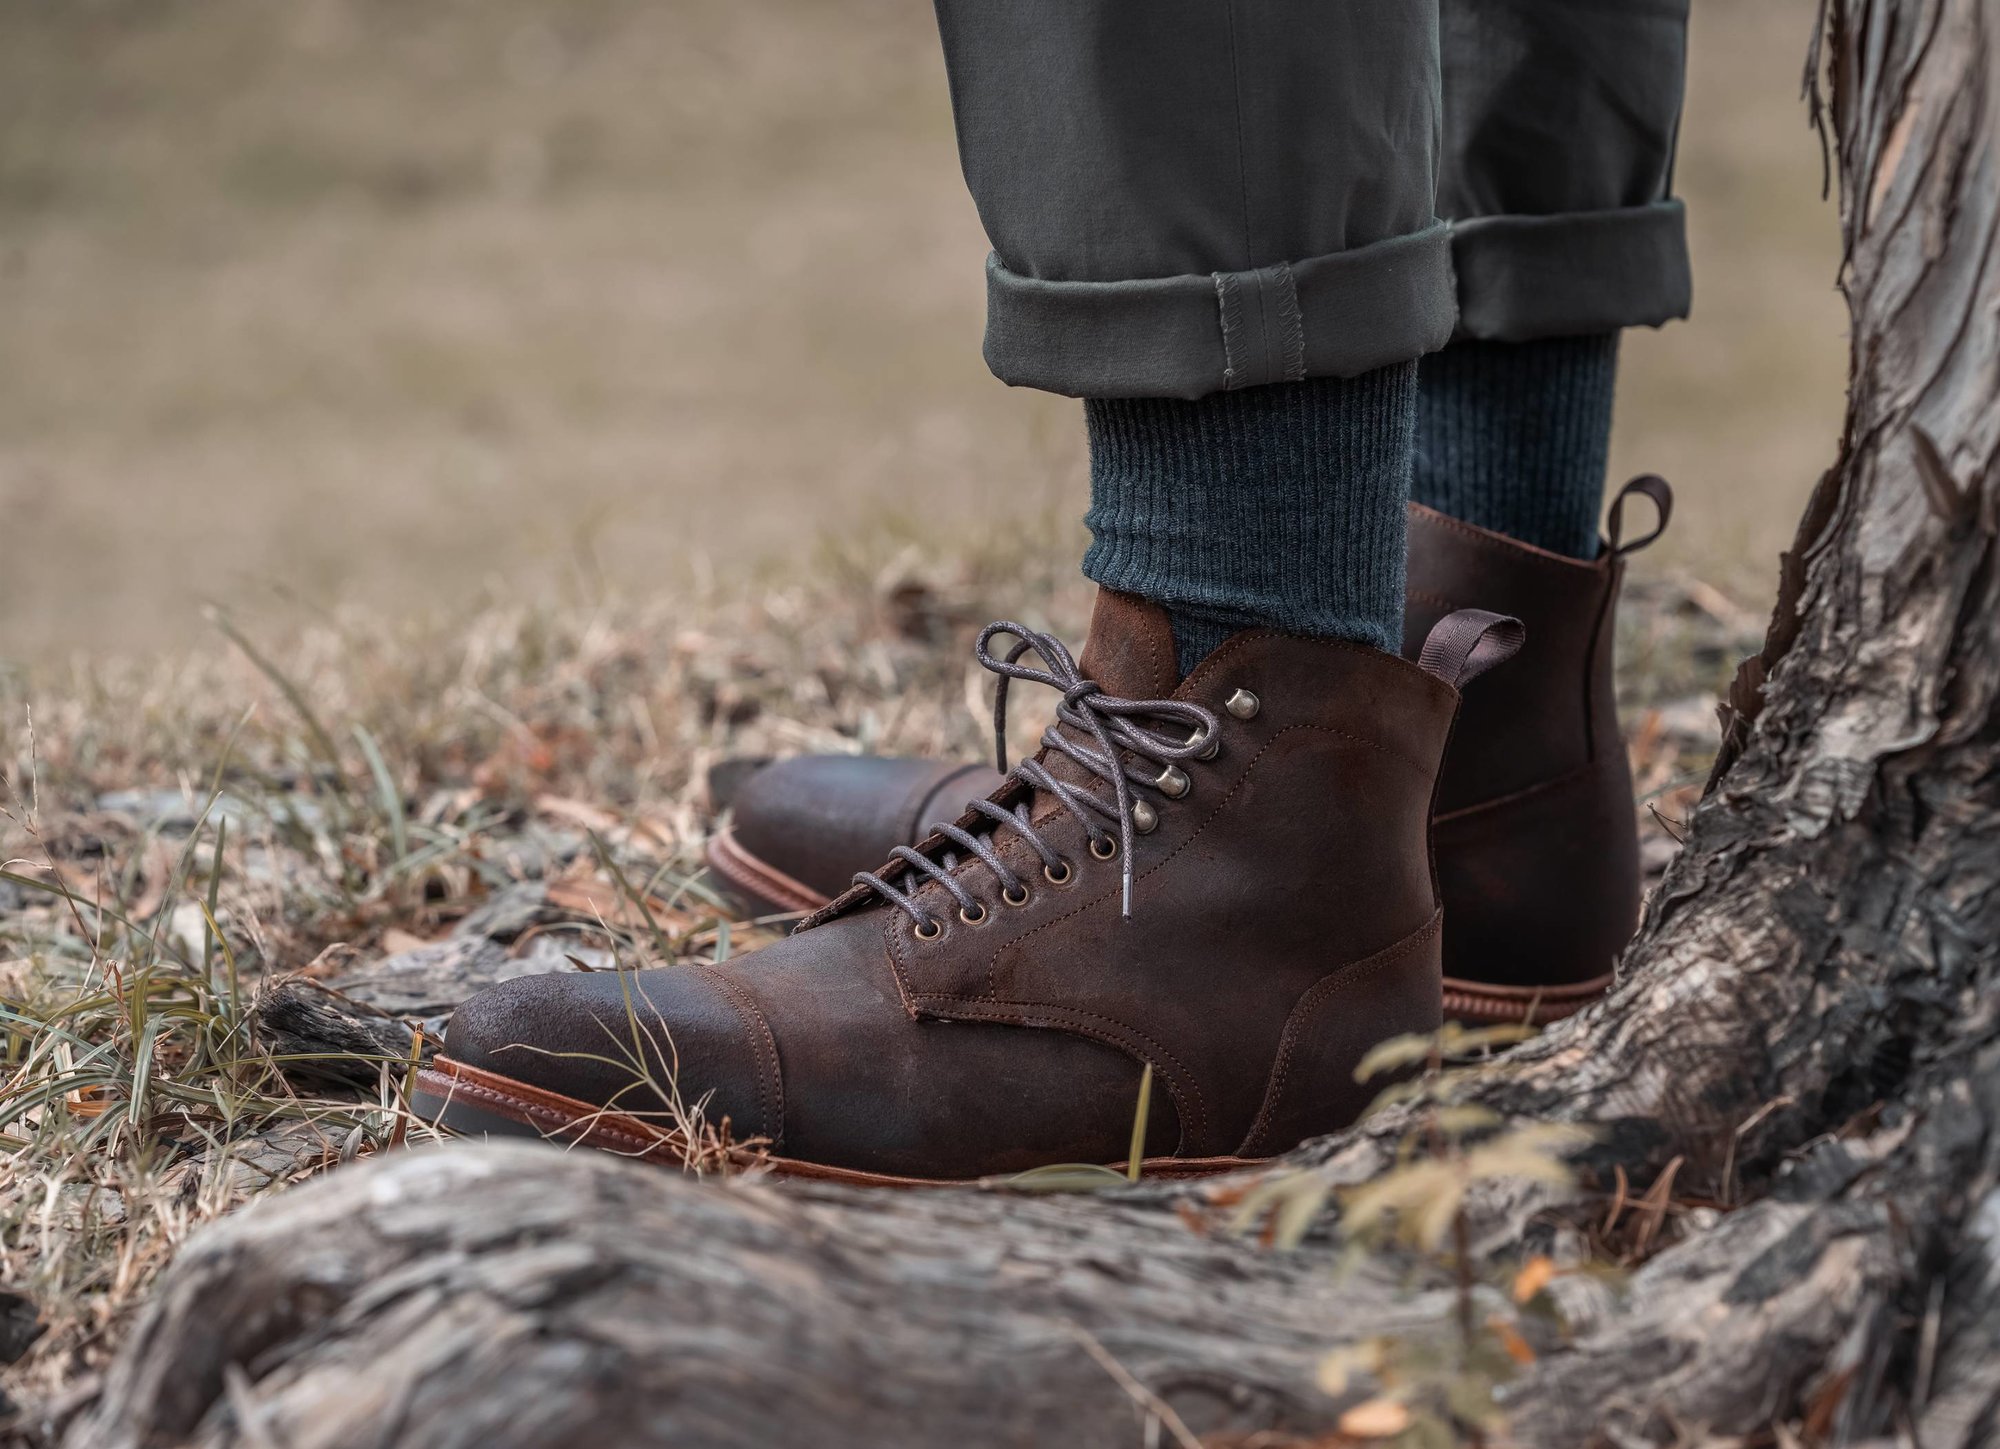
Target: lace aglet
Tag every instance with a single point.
(1127, 911)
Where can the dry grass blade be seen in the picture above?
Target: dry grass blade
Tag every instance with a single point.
(1155, 1407)
(535, 794)
(1139, 1121)
(294, 696)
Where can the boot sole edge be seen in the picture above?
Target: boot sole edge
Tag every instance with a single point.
(475, 1102)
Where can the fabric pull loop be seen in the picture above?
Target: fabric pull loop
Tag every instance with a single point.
(1652, 487)
(1263, 328)
(1466, 643)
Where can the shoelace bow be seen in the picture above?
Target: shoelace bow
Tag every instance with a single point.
(1110, 724)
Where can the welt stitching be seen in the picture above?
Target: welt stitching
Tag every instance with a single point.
(553, 1115)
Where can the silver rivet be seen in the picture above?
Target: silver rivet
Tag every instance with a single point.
(1243, 704)
(1145, 819)
(1173, 782)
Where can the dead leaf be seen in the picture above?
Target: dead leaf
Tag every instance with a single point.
(1825, 1402)
(577, 812)
(1535, 1275)
(1339, 1368)
(396, 941)
(91, 1101)
(1375, 1419)
(597, 899)
(332, 961)
(1518, 1348)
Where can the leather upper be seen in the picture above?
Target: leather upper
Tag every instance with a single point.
(1537, 838)
(821, 818)
(1283, 920)
(1537, 841)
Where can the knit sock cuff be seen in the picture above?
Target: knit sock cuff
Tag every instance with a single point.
(1514, 436)
(1279, 506)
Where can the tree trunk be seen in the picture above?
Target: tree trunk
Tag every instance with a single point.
(1794, 1090)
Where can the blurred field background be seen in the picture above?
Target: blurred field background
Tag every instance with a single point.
(352, 301)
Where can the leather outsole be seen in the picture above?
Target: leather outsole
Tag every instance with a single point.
(474, 1102)
(1476, 1003)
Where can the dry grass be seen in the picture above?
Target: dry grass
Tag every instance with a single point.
(330, 802)
(175, 836)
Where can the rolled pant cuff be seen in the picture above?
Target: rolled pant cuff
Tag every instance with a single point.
(1522, 278)
(1338, 315)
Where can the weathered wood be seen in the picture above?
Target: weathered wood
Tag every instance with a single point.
(319, 1037)
(1806, 1034)
(519, 1295)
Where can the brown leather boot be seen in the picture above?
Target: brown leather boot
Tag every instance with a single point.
(1226, 877)
(1537, 841)
(1537, 837)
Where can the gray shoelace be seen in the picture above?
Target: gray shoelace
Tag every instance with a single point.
(1109, 723)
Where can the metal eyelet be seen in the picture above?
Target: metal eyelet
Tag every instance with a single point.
(936, 930)
(1243, 704)
(973, 920)
(1104, 848)
(1064, 879)
(1213, 748)
(1172, 782)
(1013, 899)
(1145, 819)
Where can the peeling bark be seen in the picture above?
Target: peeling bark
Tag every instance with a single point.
(1806, 1035)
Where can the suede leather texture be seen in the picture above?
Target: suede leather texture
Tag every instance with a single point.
(1284, 920)
(1536, 837)
(821, 818)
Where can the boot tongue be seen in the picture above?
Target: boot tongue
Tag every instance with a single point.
(1130, 651)
(1130, 654)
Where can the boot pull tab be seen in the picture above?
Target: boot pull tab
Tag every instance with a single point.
(1465, 644)
(1652, 487)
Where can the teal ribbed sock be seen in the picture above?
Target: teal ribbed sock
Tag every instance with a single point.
(1279, 506)
(1513, 436)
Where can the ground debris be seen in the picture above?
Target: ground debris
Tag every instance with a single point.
(247, 944)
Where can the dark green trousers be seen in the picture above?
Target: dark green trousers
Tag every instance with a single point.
(1187, 196)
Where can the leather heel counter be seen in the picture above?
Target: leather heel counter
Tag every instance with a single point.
(1543, 887)
(1311, 1090)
